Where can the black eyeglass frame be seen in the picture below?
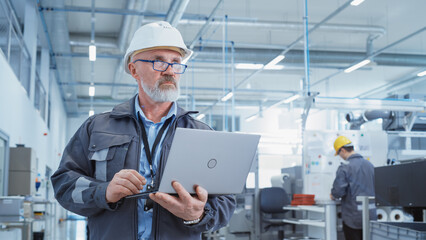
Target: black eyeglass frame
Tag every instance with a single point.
(168, 64)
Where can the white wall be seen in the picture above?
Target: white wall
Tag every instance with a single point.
(73, 125)
(23, 123)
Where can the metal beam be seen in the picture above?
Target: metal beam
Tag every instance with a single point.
(205, 27)
(373, 55)
(393, 86)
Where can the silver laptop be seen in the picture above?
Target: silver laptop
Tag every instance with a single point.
(217, 161)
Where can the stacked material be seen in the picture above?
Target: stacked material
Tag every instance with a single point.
(303, 199)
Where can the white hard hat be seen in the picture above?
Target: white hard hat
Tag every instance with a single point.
(156, 35)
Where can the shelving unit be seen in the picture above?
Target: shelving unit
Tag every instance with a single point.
(328, 221)
(47, 218)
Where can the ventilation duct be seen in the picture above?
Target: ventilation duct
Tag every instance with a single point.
(356, 120)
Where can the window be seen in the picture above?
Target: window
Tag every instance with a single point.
(4, 162)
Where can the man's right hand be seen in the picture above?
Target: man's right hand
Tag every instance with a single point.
(125, 182)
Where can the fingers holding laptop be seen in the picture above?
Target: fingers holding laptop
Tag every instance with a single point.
(185, 206)
(125, 182)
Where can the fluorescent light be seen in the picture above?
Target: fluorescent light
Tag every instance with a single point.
(358, 65)
(251, 118)
(92, 91)
(274, 61)
(92, 53)
(421, 74)
(91, 112)
(287, 100)
(201, 116)
(356, 2)
(291, 99)
(227, 97)
(248, 66)
(274, 67)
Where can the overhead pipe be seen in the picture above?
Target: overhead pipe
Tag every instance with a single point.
(316, 57)
(123, 38)
(197, 19)
(176, 10)
(112, 11)
(124, 29)
(374, 30)
(357, 120)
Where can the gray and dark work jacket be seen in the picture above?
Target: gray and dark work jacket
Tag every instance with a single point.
(101, 147)
(354, 179)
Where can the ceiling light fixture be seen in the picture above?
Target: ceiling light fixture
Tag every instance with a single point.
(358, 65)
(287, 100)
(356, 2)
(92, 52)
(201, 116)
(274, 61)
(92, 91)
(248, 66)
(252, 117)
(227, 97)
(421, 74)
(275, 67)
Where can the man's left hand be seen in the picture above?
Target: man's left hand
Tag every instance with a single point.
(184, 205)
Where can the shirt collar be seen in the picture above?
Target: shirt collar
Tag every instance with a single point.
(172, 112)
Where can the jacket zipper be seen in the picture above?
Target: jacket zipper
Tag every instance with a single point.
(135, 217)
(157, 212)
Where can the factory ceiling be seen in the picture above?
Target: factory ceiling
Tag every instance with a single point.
(225, 34)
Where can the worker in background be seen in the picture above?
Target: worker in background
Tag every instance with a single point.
(353, 179)
(119, 153)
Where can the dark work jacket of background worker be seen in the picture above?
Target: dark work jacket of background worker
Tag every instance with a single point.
(79, 189)
(354, 179)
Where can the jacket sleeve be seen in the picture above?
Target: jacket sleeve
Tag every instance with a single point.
(340, 184)
(218, 211)
(74, 185)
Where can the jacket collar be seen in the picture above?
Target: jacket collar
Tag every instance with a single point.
(127, 109)
(355, 155)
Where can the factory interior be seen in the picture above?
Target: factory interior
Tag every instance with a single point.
(300, 74)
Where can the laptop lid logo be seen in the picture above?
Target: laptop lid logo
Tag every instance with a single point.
(211, 163)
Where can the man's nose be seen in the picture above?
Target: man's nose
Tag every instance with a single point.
(169, 70)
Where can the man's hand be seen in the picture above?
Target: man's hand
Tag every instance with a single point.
(125, 182)
(331, 197)
(184, 206)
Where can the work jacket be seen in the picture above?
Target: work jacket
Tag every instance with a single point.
(354, 179)
(101, 147)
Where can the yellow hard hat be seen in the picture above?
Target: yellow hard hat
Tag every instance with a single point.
(340, 142)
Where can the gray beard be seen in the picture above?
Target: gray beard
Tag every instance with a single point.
(162, 95)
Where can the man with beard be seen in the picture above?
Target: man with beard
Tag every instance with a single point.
(122, 152)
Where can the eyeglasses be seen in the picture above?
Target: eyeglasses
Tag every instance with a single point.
(161, 66)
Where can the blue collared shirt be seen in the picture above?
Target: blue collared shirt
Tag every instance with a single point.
(152, 129)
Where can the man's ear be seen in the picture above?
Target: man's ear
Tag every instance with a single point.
(132, 70)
